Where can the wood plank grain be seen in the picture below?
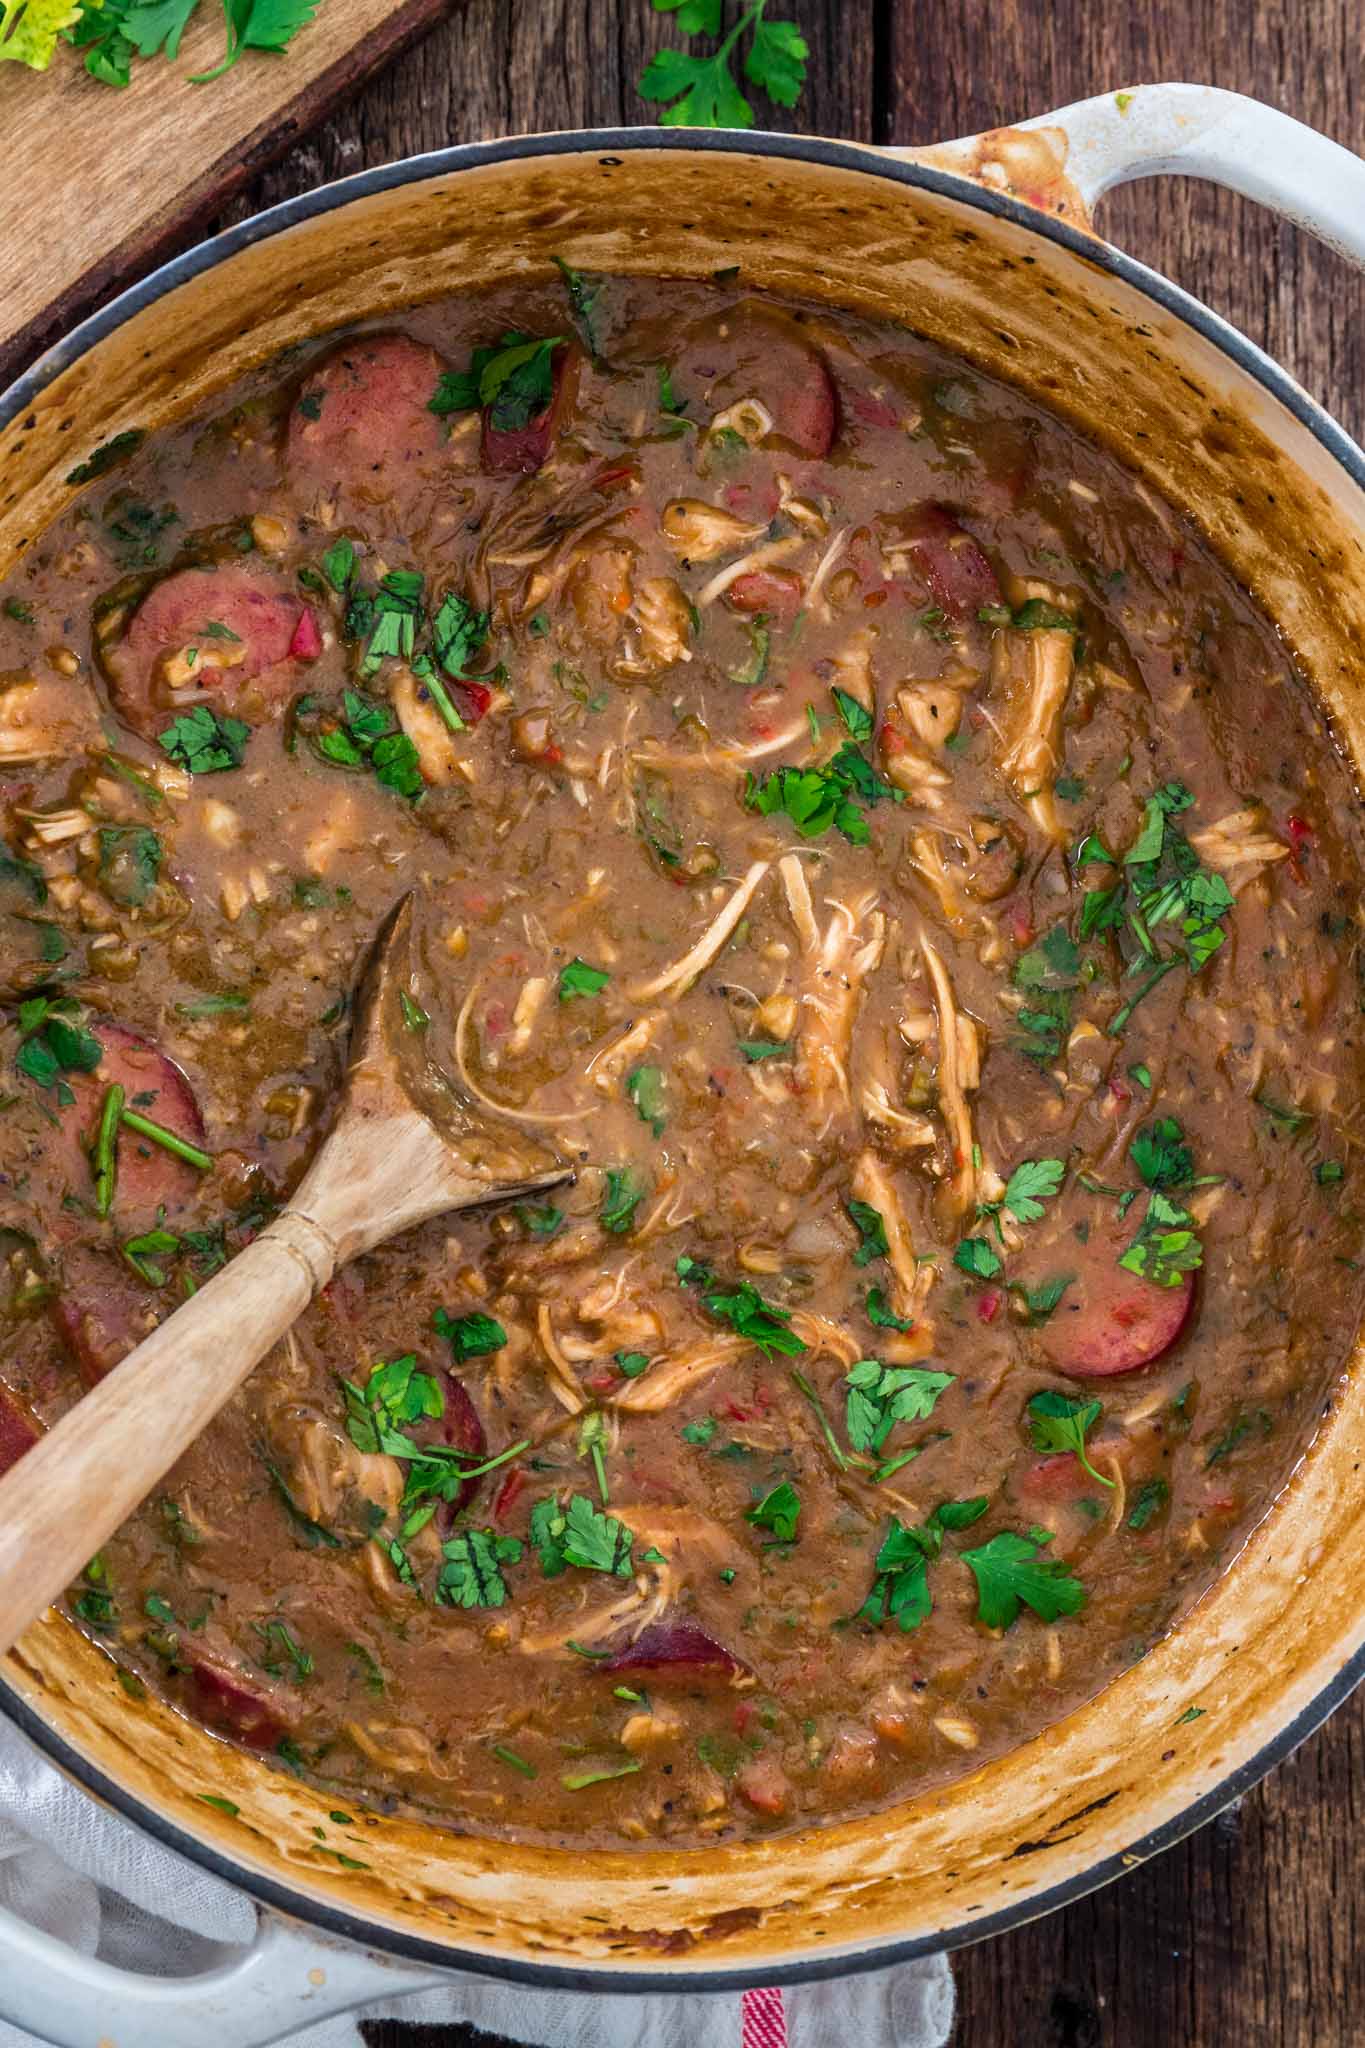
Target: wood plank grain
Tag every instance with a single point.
(158, 158)
(1300, 302)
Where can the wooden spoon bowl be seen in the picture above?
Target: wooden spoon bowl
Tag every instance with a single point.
(405, 1146)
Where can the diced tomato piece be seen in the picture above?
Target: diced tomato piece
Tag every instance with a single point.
(478, 696)
(988, 1304)
(306, 644)
(505, 1499)
(764, 1785)
(1058, 1478)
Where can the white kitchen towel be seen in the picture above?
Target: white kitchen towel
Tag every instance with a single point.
(87, 1877)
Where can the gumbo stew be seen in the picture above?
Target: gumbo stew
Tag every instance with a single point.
(871, 839)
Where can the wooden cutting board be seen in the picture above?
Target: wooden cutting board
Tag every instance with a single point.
(99, 182)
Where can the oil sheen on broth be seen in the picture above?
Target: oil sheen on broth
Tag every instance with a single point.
(873, 840)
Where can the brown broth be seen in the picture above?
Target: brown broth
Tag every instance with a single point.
(1029, 647)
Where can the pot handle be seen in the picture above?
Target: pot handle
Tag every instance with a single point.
(1191, 131)
(286, 1979)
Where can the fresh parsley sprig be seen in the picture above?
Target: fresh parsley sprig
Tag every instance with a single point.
(114, 32)
(702, 91)
(900, 1590)
(816, 798)
(1058, 1423)
(1010, 1572)
(749, 1315)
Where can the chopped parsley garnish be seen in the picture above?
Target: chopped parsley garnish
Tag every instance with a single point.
(1284, 1115)
(1150, 1499)
(1032, 1182)
(1038, 616)
(880, 1312)
(368, 737)
(577, 1533)
(107, 455)
(281, 1645)
(1040, 1302)
(457, 634)
(1328, 1172)
(630, 1364)
(900, 1590)
(471, 1575)
(469, 1336)
(1161, 1156)
(880, 1396)
(214, 1006)
(1235, 1434)
(751, 673)
(1048, 973)
(748, 1314)
(396, 1396)
(583, 299)
(645, 1087)
(577, 978)
(514, 382)
(1058, 1423)
(856, 717)
(1010, 1573)
(1167, 1245)
(55, 1043)
(395, 614)
(816, 798)
(578, 1781)
(540, 1219)
(699, 1432)
(338, 565)
(144, 1254)
(779, 1511)
(871, 1232)
(976, 1256)
(414, 1016)
(622, 1196)
(755, 1050)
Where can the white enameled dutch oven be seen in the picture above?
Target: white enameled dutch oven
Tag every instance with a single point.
(985, 247)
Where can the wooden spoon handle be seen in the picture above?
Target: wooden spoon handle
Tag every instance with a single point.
(81, 1480)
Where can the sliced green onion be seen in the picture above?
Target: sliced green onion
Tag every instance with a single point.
(518, 1763)
(574, 1781)
(159, 1135)
(106, 1158)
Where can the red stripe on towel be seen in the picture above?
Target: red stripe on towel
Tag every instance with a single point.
(763, 2020)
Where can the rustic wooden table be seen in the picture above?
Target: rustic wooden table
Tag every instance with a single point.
(1252, 1931)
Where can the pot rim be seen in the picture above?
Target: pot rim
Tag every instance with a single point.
(1247, 356)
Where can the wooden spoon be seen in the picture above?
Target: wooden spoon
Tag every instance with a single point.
(405, 1147)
